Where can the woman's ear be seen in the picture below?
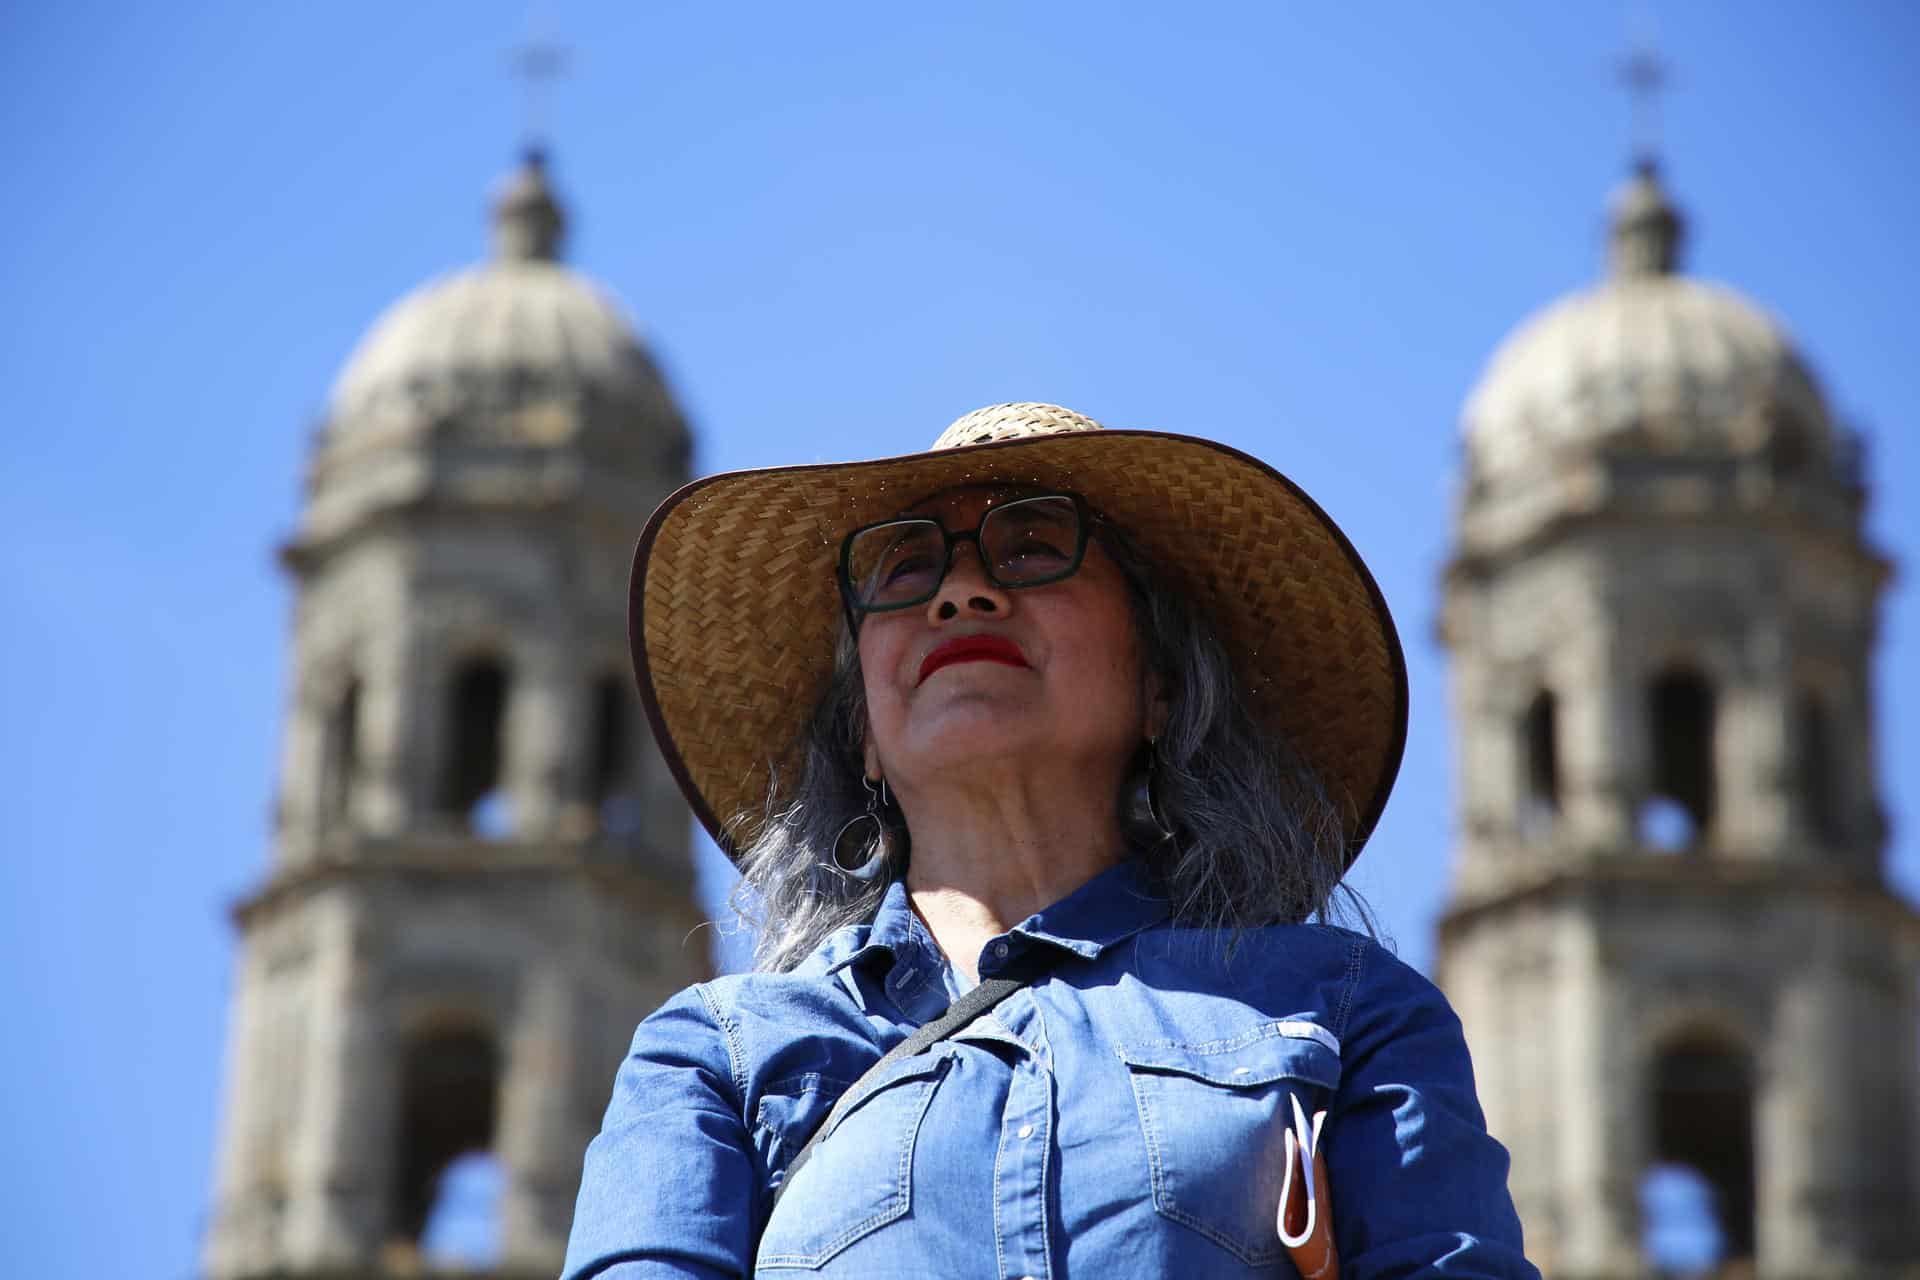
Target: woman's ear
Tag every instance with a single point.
(870, 753)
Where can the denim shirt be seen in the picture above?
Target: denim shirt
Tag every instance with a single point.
(1122, 1116)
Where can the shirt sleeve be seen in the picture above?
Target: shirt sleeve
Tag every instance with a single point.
(669, 1187)
(1419, 1186)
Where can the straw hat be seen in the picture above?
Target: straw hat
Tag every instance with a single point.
(734, 610)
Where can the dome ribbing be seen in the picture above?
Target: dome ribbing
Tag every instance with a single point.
(1649, 358)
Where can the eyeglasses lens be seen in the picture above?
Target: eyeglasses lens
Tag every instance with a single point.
(1031, 541)
(1024, 543)
(894, 565)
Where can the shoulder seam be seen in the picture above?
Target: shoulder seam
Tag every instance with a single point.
(736, 1057)
(1356, 961)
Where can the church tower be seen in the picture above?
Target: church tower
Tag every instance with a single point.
(1670, 938)
(481, 876)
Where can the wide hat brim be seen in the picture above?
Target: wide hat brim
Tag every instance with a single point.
(734, 609)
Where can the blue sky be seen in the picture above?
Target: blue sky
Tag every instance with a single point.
(1300, 229)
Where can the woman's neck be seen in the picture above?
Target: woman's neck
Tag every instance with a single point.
(983, 862)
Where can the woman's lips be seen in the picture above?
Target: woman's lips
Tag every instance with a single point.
(972, 649)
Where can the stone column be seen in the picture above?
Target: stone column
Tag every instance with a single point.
(1599, 742)
(550, 720)
(419, 731)
(1752, 757)
(384, 800)
(1596, 1079)
(342, 1149)
(540, 1139)
(240, 1238)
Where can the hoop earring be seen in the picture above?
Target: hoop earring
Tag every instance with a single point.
(1143, 816)
(861, 848)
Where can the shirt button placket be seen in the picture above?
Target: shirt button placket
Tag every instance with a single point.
(1025, 1144)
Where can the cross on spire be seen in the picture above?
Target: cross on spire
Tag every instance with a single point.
(538, 63)
(1645, 74)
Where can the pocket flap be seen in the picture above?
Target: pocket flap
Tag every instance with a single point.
(918, 1067)
(1285, 1050)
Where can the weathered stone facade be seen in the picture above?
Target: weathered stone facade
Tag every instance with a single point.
(481, 875)
(1671, 940)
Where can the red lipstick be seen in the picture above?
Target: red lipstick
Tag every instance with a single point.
(980, 648)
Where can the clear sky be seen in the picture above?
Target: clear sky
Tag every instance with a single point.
(1297, 228)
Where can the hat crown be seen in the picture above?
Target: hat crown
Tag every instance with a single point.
(1021, 421)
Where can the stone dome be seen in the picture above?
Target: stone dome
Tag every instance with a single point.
(490, 338)
(1648, 359)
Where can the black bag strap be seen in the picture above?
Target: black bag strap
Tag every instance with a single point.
(989, 993)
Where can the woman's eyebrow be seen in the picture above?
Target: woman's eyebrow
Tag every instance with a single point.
(1048, 513)
(946, 498)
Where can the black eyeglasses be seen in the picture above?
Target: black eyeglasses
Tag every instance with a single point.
(897, 564)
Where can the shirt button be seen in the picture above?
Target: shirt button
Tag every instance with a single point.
(1000, 953)
(1026, 1131)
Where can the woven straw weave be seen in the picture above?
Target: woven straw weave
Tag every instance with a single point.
(735, 610)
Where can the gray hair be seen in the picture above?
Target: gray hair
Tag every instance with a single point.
(1260, 842)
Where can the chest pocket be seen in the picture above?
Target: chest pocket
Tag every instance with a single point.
(860, 1176)
(1213, 1116)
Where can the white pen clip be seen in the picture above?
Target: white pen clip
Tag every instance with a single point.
(1303, 1143)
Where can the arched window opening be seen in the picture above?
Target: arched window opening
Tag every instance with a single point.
(1813, 768)
(1679, 1230)
(340, 757)
(1540, 750)
(1667, 827)
(1703, 1121)
(610, 762)
(1788, 450)
(470, 786)
(463, 1225)
(449, 1082)
(1679, 808)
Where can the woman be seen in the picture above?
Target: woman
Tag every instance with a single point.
(1095, 720)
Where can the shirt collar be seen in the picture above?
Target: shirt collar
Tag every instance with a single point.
(889, 933)
(1106, 910)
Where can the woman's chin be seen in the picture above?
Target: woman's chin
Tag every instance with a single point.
(970, 727)
(986, 738)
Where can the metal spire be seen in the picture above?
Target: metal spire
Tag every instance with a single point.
(536, 64)
(1646, 75)
(528, 221)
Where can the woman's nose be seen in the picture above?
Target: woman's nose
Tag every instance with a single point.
(967, 590)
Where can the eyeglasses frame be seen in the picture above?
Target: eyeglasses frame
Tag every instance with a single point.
(1088, 520)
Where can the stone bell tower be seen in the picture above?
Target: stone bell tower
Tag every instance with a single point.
(481, 877)
(1671, 939)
